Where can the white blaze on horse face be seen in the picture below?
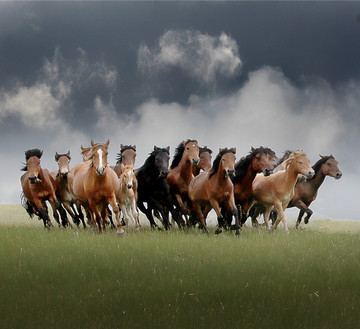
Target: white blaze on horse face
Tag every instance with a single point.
(100, 159)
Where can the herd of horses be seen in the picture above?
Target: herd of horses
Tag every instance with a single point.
(185, 191)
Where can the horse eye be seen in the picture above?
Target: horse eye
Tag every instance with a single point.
(300, 162)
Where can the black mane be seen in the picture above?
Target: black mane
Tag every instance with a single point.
(215, 167)
(320, 162)
(124, 148)
(243, 164)
(179, 152)
(30, 153)
(284, 157)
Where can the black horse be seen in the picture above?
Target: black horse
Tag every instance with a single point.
(153, 188)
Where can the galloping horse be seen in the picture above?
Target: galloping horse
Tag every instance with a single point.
(153, 188)
(126, 196)
(205, 161)
(38, 187)
(181, 173)
(96, 185)
(258, 160)
(62, 186)
(214, 189)
(277, 189)
(306, 190)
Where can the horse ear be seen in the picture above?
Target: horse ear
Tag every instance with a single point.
(68, 154)
(108, 142)
(92, 143)
(252, 149)
(168, 149)
(134, 147)
(121, 147)
(82, 147)
(233, 150)
(155, 148)
(321, 156)
(41, 153)
(220, 150)
(56, 156)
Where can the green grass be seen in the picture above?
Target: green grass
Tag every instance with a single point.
(66, 278)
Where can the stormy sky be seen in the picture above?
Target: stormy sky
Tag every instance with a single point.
(285, 75)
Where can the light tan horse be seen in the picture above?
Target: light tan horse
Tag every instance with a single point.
(211, 189)
(126, 196)
(96, 184)
(277, 189)
(38, 187)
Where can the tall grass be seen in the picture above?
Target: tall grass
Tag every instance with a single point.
(66, 278)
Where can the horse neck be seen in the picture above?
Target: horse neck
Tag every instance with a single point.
(196, 170)
(249, 176)
(220, 177)
(291, 175)
(186, 168)
(317, 180)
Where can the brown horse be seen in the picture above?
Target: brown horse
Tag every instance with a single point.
(62, 178)
(205, 161)
(126, 196)
(38, 187)
(277, 189)
(126, 157)
(306, 190)
(181, 173)
(214, 190)
(96, 185)
(258, 160)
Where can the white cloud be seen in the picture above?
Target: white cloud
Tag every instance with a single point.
(201, 56)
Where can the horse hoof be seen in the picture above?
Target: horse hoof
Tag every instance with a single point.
(306, 220)
(218, 231)
(137, 229)
(120, 232)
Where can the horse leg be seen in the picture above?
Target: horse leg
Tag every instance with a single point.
(80, 214)
(71, 213)
(94, 209)
(201, 217)
(135, 214)
(281, 217)
(148, 214)
(304, 208)
(43, 214)
(266, 216)
(113, 204)
(298, 221)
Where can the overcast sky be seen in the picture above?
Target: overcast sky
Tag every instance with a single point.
(284, 75)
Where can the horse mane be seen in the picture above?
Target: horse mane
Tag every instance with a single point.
(284, 157)
(124, 148)
(243, 164)
(321, 161)
(292, 157)
(215, 167)
(31, 153)
(179, 152)
(204, 149)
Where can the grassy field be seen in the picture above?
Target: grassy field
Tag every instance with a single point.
(75, 278)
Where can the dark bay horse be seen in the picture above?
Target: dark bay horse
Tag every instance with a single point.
(214, 190)
(63, 189)
(259, 160)
(306, 190)
(38, 187)
(181, 173)
(96, 185)
(277, 189)
(153, 188)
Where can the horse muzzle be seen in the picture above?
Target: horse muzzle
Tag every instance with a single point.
(267, 172)
(164, 174)
(100, 171)
(34, 180)
(195, 162)
(338, 175)
(129, 186)
(309, 174)
(230, 173)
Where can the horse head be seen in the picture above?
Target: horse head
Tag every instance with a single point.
(161, 160)
(205, 158)
(127, 176)
(225, 162)
(330, 167)
(301, 164)
(99, 157)
(191, 151)
(33, 168)
(63, 161)
(263, 160)
(127, 154)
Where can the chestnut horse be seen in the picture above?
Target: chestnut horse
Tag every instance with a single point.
(38, 187)
(126, 196)
(96, 185)
(181, 173)
(306, 190)
(214, 189)
(258, 160)
(277, 189)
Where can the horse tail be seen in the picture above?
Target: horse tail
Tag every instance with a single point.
(26, 204)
